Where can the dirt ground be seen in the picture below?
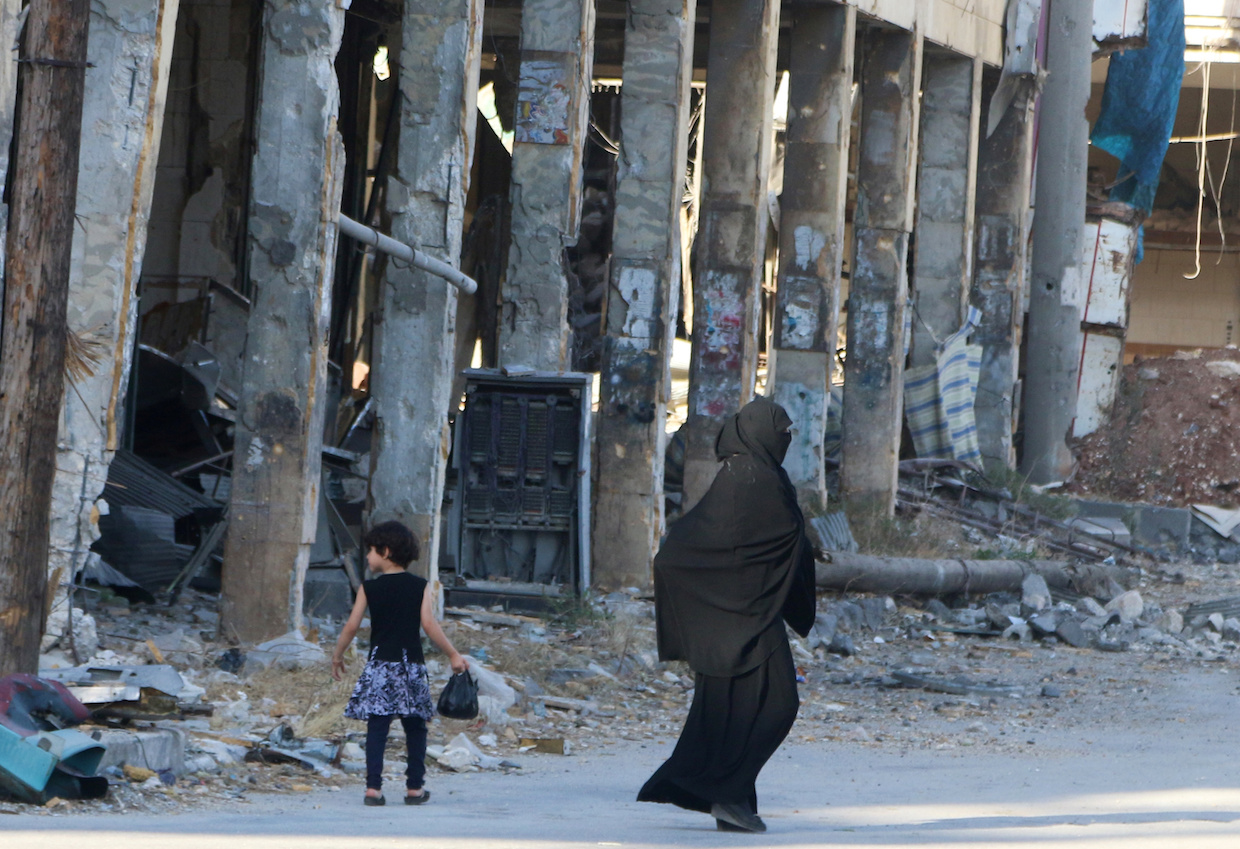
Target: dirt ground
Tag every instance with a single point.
(1174, 435)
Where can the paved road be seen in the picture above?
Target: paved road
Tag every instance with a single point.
(1173, 785)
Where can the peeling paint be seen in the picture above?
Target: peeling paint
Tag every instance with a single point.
(800, 324)
(639, 287)
(807, 407)
(809, 246)
(254, 453)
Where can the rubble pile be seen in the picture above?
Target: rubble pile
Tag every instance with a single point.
(995, 671)
(1173, 438)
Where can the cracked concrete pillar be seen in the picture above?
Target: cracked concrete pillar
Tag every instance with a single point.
(1055, 304)
(129, 51)
(411, 379)
(279, 435)
(731, 241)
(1005, 163)
(878, 286)
(811, 235)
(553, 115)
(645, 288)
(947, 174)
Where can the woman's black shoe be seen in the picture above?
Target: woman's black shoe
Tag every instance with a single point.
(737, 815)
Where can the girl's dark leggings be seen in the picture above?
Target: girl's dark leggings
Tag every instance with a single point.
(376, 740)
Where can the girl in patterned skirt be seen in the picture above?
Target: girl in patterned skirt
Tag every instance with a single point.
(394, 681)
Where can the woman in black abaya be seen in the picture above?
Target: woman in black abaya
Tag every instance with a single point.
(730, 573)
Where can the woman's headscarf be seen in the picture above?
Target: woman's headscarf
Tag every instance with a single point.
(737, 565)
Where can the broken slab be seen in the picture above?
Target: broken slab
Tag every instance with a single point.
(1165, 528)
(156, 749)
(94, 685)
(1109, 528)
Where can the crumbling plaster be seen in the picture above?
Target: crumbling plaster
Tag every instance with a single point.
(129, 50)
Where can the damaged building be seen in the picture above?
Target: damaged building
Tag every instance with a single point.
(829, 203)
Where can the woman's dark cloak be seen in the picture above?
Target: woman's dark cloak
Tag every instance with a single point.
(737, 566)
(731, 572)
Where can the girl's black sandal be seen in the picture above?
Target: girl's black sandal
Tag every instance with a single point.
(373, 801)
(418, 800)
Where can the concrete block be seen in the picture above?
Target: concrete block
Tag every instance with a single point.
(1155, 527)
(154, 749)
(1087, 509)
(1103, 527)
(1165, 527)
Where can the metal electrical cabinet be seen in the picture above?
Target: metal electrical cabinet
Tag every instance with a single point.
(519, 521)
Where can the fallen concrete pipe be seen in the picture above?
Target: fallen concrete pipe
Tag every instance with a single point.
(916, 576)
(370, 236)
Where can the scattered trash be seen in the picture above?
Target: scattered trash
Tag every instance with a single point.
(41, 757)
(544, 745)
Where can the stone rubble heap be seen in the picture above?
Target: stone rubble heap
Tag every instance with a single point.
(875, 670)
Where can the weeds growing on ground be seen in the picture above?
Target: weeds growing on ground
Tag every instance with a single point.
(917, 536)
(1048, 504)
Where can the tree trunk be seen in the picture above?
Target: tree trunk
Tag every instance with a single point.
(51, 79)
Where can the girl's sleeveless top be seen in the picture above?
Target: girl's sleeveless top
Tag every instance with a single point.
(395, 602)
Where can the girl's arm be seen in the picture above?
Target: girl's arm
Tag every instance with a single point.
(347, 633)
(431, 626)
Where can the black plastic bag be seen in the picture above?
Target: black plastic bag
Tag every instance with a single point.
(459, 699)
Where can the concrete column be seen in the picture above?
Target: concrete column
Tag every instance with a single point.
(645, 289)
(411, 380)
(295, 200)
(1055, 305)
(947, 173)
(731, 240)
(811, 237)
(1005, 164)
(553, 116)
(878, 287)
(129, 50)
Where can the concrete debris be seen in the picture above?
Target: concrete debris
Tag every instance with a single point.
(98, 685)
(1128, 605)
(544, 745)
(290, 652)
(1035, 595)
(1224, 368)
(84, 640)
(959, 686)
(1072, 633)
(581, 684)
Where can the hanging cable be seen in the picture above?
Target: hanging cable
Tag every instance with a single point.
(1201, 166)
(1217, 190)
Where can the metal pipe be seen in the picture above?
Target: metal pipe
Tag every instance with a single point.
(370, 236)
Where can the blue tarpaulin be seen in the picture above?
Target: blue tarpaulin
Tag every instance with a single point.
(1139, 104)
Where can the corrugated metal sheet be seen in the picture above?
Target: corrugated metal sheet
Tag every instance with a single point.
(140, 543)
(133, 482)
(833, 532)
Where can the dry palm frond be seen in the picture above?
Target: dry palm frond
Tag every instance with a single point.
(83, 352)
